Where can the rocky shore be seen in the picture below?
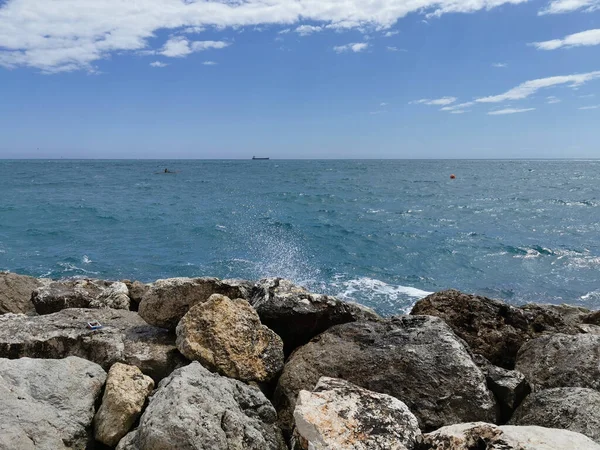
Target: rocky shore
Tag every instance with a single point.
(209, 364)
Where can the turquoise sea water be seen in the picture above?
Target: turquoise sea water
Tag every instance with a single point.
(384, 233)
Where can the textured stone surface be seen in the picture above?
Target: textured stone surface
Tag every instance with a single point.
(575, 409)
(125, 338)
(124, 396)
(47, 404)
(484, 436)
(341, 415)
(137, 290)
(58, 295)
(226, 335)
(167, 301)
(416, 359)
(115, 296)
(561, 360)
(493, 328)
(15, 293)
(298, 315)
(194, 409)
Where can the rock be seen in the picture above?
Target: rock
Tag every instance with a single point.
(137, 290)
(416, 359)
(167, 301)
(127, 389)
(561, 360)
(196, 409)
(15, 293)
(479, 435)
(48, 404)
(575, 409)
(338, 415)
(115, 296)
(227, 336)
(125, 338)
(59, 295)
(491, 327)
(297, 315)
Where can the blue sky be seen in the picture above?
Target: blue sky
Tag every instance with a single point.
(300, 79)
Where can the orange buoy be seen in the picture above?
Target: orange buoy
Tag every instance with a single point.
(452, 177)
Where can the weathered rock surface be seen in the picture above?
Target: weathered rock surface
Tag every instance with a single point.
(127, 389)
(15, 293)
(167, 301)
(194, 409)
(575, 409)
(416, 359)
(226, 336)
(478, 435)
(115, 296)
(341, 415)
(561, 360)
(47, 404)
(298, 315)
(58, 295)
(137, 290)
(125, 338)
(493, 328)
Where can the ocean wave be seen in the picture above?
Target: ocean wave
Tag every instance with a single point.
(86, 259)
(68, 268)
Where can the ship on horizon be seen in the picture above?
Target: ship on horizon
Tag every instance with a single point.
(254, 158)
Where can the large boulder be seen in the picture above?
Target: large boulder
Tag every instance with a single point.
(194, 409)
(485, 436)
(48, 404)
(338, 415)
(15, 293)
(167, 301)
(127, 389)
(561, 360)
(137, 290)
(493, 328)
(226, 336)
(575, 409)
(79, 293)
(298, 315)
(417, 359)
(124, 337)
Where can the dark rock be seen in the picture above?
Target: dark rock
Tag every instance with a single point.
(575, 409)
(48, 404)
(493, 328)
(298, 315)
(417, 359)
(196, 409)
(561, 360)
(125, 338)
(15, 293)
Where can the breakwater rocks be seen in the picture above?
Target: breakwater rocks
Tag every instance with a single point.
(209, 364)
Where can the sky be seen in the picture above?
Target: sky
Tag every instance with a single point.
(299, 78)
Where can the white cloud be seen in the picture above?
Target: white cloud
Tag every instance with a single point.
(500, 112)
(590, 107)
(435, 102)
(500, 65)
(457, 107)
(395, 49)
(565, 6)
(584, 38)
(458, 111)
(284, 31)
(65, 35)
(306, 30)
(355, 47)
(390, 33)
(528, 88)
(587, 96)
(209, 63)
(552, 99)
(178, 47)
(158, 64)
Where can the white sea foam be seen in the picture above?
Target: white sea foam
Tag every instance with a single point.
(68, 267)
(86, 259)
(594, 295)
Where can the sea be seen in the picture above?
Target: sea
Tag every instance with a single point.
(384, 233)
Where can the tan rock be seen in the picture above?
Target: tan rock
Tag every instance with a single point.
(126, 391)
(15, 293)
(226, 336)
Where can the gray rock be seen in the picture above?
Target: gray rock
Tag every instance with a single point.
(194, 409)
(125, 338)
(493, 328)
(59, 295)
(15, 293)
(298, 315)
(417, 359)
(575, 409)
(561, 360)
(115, 296)
(167, 301)
(338, 415)
(479, 435)
(137, 290)
(47, 404)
